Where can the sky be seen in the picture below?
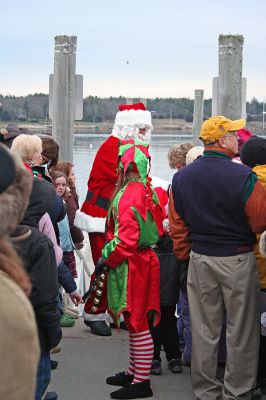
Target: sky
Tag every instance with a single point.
(140, 48)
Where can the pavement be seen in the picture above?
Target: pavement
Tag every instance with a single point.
(86, 360)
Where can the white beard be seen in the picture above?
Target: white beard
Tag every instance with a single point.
(131, 132)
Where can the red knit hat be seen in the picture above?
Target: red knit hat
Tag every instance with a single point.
(244, 135)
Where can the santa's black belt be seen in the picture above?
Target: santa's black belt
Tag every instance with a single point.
(100, 201)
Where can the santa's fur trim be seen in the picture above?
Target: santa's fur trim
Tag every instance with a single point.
(95, 317)
(133, 117)
(262, 244)
(88, 223)
(129, 122)
(159, 182)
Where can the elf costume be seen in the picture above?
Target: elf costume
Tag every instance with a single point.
(134, 224)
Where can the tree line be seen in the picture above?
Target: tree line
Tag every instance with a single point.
(34, 108)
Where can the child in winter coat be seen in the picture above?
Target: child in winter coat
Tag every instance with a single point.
(71, 201)
(59, 180)
(165, 333)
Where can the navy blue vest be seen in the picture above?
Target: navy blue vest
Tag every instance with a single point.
(209, 196)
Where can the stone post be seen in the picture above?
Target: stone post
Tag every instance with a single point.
(198, 115)
(230, 76)
(64, 95)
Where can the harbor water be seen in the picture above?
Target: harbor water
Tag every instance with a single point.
(86, 146)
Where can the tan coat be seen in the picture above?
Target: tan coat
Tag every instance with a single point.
(19, 344)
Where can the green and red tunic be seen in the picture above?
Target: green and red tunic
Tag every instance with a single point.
(134, 224)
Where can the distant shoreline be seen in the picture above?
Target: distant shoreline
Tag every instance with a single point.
(83, 127)
(159, 125)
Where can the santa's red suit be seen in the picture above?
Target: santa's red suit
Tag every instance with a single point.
(132, 122)
(101, 186)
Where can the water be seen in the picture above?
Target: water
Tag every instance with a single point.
(86, 146)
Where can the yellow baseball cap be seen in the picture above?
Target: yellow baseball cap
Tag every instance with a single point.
(216, 127)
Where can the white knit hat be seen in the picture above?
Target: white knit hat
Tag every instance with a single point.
(133, 117)
(129, 119)
(194, 153)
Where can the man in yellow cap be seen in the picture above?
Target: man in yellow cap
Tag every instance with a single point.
(215, 208)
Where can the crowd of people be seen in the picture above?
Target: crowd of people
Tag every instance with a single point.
(181, 266)
(44, 215)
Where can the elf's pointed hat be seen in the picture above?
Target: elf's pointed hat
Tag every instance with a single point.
(130, 119)
(135, 157)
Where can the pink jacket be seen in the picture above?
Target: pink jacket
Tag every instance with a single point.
(46, 227)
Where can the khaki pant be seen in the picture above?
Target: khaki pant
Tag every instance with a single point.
(215, 285)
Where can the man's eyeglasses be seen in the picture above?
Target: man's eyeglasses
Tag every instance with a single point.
(231, 134)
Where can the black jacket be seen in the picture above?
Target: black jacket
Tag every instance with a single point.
(38, 255)
(65, 278)
(169, 272)
(37, 252)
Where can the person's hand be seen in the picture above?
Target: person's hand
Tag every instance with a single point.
(76, 298)
(100, 267)
(79, 245)
(166, 226)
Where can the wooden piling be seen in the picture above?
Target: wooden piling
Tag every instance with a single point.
(198, 115)
(230, 76)
(64, 94)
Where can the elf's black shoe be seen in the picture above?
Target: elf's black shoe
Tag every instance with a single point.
(99, 328)
(136, 391)
(120, 379)
(122, 325)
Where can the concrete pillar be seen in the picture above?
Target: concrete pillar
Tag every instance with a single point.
(198, 115)
(64, 95)
(230, 76)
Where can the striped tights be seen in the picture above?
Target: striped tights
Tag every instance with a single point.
(141, 354)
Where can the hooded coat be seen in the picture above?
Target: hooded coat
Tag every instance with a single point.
(37, 251)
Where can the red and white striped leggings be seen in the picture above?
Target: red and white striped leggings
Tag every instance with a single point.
(141, 351)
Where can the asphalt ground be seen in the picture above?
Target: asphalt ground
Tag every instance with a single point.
(86, 360)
